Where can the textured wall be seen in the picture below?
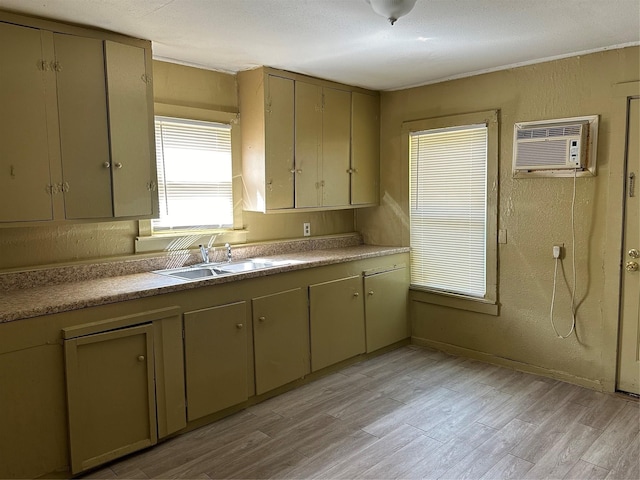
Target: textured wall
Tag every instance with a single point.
(535, 213)
(184, 86)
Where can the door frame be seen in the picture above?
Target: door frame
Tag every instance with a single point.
(614, 227)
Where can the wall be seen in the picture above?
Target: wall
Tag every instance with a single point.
(182, 86)
(534, 212)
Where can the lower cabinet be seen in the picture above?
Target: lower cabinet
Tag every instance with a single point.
(111, 395)
(336, 317)
(281, 338)
(215, 342)
(135, 379)
(112, 392)
(33, 417)
(386, 303)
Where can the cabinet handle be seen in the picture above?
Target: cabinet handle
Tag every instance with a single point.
(106, 164)
(370, 292)
(299, 170)
(239, 325)
(356, 294)
(293, 170)
(262, 319)
(141, 358)
(117, 165)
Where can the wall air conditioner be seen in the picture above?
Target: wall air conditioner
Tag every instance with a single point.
(555, 148)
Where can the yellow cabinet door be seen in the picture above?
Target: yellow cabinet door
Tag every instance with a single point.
(84, 134)
(130, 118)
(308, 144)
(110, 395)
(279, 134)
(322, 145)
(365, 148)
(25, 80)
(32, 412)
(336, 317)
(386, 296)
(215, 358)
(281, 338)
(336, 147)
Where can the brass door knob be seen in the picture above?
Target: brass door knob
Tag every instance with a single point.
(634, 253)
(117, 165)
(261, 319)
(141, 358)
(631, 266)
(356, 294)
(239, 325)
(370, 292)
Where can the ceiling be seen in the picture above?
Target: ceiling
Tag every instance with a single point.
(345, 41)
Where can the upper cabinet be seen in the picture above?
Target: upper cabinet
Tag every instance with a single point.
(307, 143)
(76, 136)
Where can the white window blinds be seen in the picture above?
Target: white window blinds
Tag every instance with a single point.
(194, 174)
(448, 209)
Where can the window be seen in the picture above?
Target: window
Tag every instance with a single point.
(194, 174)
(452, 203)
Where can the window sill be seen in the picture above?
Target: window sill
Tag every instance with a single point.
(471, 304)
(174, 241)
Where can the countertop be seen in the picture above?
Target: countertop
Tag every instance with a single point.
(28, 302)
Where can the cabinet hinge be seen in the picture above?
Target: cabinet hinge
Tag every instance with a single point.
(146, 78)
(55, 66)
(151, 186)
(43, 65)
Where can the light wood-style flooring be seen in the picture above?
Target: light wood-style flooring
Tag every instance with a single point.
(411, 413)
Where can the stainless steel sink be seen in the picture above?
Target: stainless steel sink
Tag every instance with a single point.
(196, 272)
(250, 265)
(208, 270)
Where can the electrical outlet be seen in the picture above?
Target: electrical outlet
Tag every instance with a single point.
(557, 251)
(306, 229)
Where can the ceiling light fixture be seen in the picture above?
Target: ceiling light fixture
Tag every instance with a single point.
(392, 10)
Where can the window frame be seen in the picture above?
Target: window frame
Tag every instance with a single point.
(188, 238)
(489, 303)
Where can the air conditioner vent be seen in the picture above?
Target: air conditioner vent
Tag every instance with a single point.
(549, 132)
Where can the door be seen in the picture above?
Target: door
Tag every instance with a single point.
(386, 308)
(25, 85)
(336, 316)
(110, 395)
(84, 140)
(336, 147)
(131, 147)
(629, 367)
(365, 149)
(279, 140)
(308, 144)
(281, 338)
(215, 342)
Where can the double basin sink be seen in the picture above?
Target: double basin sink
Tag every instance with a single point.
(207, 270)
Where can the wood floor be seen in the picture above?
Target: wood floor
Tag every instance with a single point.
(411, 413)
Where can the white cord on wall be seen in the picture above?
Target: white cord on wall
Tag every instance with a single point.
(573, 258)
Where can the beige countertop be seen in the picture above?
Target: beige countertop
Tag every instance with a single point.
(27, 302)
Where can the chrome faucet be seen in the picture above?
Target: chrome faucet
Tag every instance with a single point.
(204, 251)
(228, 247)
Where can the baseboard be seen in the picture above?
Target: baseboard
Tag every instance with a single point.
(512, 364)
